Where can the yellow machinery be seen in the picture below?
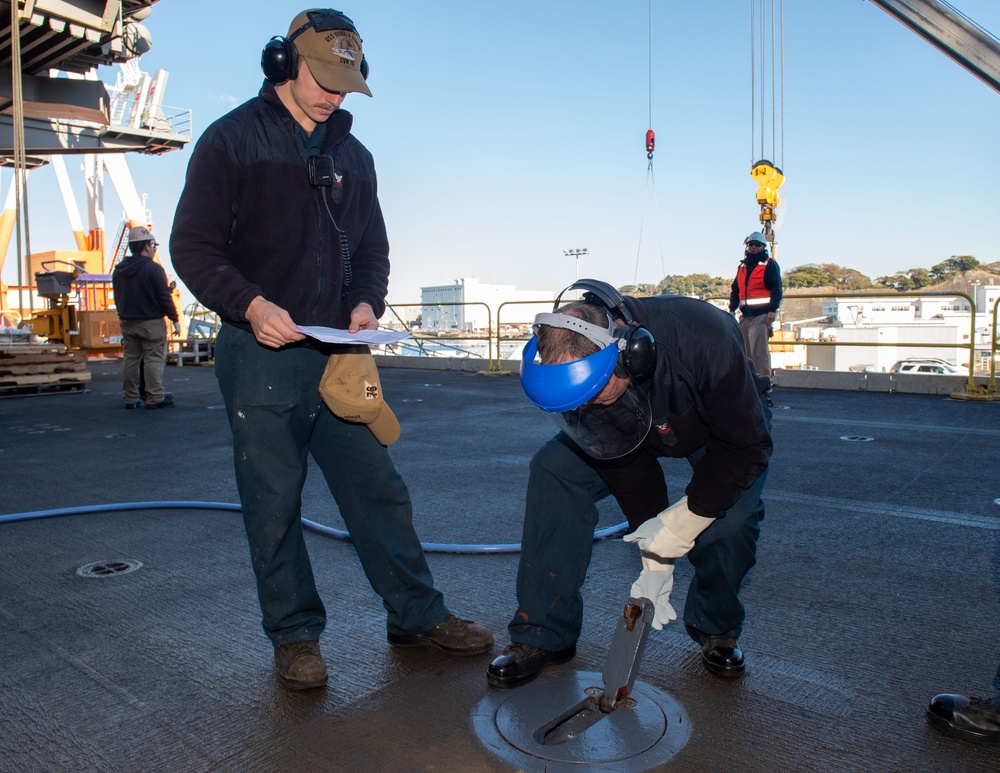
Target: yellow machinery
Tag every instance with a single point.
(77, 312)
(58, 320)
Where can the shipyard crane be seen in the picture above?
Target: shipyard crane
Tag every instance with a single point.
(767, 96)
(937, 22)
(58, 107)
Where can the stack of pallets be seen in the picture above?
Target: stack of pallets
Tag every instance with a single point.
(39, 369)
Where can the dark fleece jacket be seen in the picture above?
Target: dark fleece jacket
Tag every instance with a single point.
(703, 395)
(249, 222)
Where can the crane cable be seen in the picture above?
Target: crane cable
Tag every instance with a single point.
(767, 172)
(20, 162)
(650, 179)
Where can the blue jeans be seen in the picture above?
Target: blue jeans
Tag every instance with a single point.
(559, 522)
(278, 419)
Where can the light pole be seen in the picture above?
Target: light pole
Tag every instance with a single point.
(576, 252)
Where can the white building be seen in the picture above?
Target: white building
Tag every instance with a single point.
(468, 305)
(888, 321)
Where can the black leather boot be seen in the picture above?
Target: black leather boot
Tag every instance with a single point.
(720, 654)
(522, 662)
(974, 719)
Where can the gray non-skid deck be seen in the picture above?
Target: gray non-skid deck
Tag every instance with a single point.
(876, 587)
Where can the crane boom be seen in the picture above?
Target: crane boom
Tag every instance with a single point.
(958, 37)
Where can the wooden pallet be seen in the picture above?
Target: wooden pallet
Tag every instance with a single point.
(34, 390)
(37, 369)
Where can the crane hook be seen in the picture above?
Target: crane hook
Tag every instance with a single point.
(650, 143)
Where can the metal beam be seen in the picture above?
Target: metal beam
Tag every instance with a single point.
(46, 138)
(963, 40)
(58, 98)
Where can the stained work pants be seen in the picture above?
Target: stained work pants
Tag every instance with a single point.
(278, 420)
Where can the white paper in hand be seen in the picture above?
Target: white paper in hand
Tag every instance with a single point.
(336, 336)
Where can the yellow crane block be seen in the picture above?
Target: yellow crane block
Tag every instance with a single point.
(768, 178)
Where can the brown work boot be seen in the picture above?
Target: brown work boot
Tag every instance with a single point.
(454, 636)
(300, 664)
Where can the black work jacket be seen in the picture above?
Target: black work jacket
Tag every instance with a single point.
(141, 289)
(249, 222)
(703, 394)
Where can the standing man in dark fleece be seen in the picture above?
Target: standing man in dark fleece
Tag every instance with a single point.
(143, 299)
(279, 225)
(628, 381)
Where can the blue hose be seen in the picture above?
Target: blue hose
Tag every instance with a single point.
(329, 531)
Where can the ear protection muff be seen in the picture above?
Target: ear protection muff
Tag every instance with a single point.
(280, 59)
(636, 346)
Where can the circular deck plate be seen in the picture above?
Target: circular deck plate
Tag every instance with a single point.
(510, 723)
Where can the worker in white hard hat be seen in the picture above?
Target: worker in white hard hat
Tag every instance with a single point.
(757, 294)
(143, 300)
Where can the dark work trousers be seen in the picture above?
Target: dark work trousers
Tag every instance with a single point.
(278, 420)
(559, 522)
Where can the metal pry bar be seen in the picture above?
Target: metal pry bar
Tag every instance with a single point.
(626, 649)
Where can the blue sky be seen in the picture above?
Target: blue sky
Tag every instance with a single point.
(506, 134)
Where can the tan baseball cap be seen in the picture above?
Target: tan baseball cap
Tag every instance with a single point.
(333, 55)
(350, 388)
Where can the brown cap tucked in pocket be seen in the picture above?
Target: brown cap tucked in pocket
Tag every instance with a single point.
(351, 389)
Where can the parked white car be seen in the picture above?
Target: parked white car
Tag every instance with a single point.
(930, 365)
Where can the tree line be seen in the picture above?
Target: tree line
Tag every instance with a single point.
(821, 275)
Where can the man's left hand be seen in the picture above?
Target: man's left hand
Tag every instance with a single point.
(363, 318)
(655, 583)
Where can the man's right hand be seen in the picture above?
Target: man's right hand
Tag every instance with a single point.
(672, 533)
(272, 325)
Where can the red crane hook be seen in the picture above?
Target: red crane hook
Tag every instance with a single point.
(650, 142)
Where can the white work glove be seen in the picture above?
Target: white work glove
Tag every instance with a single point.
(655, 583)
(177, 328)
(672, 533)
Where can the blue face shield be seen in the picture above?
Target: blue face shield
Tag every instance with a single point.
(601, 431)
(567, 385)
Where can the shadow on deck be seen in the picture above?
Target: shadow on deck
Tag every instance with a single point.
(875, 588)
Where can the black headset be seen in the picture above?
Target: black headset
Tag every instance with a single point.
(638, 356)
(280, 59)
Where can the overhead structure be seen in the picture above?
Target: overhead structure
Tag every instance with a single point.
(950, 31)
(53, 104)
(767, 108)
(66, 109)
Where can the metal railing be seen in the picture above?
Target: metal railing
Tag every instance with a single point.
(991, 385)
(493, 336)
(444, 339)
(971, 346)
